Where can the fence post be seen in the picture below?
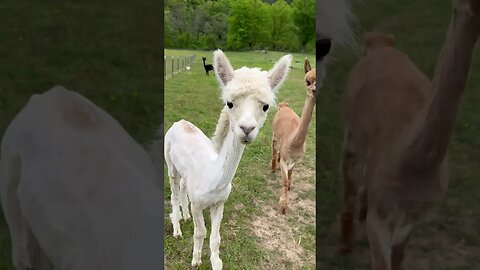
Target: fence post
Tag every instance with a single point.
(173, 69)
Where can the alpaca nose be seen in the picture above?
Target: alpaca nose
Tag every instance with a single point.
(247, 130)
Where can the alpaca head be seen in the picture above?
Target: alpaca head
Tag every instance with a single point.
(248, 93)
(310, 78)
(204, 58)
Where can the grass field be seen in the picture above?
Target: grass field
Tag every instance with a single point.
(110, 52)
(451, 240)
(254, 235)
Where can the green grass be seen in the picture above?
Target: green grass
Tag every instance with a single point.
(108, 51)
(450, 240)
(195, 97)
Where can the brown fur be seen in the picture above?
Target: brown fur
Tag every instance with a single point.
(397, 128)
(289, 135)
(77, 114)
(188, 128)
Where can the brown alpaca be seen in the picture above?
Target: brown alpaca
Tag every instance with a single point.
(290, 134)
(397, 128)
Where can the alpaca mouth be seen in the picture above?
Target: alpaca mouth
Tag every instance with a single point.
(245, 140)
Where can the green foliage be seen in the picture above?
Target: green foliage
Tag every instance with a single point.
(284, 36)
(240, 25)
(248, 24)
(304, 16)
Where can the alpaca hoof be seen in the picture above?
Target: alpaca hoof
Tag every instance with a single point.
(283, 210)
(195, 266)
(217, 264)
(186, 217)
(177, 235)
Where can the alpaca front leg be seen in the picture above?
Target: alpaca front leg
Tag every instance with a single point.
(175, 200)
(19, 232)
(289, 186)
(347, 225)
(379, 238)
(274, 154)
(199, 233)
(283, 201)
(184, 198)
(216, 215)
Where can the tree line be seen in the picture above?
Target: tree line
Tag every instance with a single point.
(240, 25)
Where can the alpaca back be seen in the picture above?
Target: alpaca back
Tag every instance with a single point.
(87, 190)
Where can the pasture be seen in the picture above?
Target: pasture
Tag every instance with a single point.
(450, 240)
(254, 234)
(91, 48)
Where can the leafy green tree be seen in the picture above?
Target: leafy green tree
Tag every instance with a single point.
(248, 24)
(304, 16)
(283, 30)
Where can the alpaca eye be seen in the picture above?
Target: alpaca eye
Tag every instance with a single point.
(230, 105)
(265, 107)
(308, 82)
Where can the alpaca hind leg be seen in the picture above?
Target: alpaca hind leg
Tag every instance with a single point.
(184, 197)
(216, 215)
(283, 201)
(399, 242)
(199, 233)
(40, 260)
(175, 216)
(275, 154)
(362, 215)
(19, 232)
(290, 180)
(379, 240)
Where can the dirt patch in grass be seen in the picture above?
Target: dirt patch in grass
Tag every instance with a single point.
(284, 234)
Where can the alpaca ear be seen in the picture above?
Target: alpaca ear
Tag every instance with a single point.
(278, 73)
(223, 68)
(306, 66)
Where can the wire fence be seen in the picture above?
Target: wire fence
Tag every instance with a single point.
(176, 64)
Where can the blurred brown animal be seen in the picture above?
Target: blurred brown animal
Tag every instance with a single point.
(290, 134)
(397, 126)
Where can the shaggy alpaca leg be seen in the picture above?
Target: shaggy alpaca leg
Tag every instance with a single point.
(399, 241)
(347, 226)
(175, 200)
(290, 179)
(379, 240)
(199, 233)
(216, 215)
(184, 197)
(19, 232)
(40, 260)
(362, 215)
(283, 201)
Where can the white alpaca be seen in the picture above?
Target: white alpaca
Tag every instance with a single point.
(76, 190)
(208, 167)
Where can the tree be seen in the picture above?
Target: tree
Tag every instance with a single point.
(283, 31)
(248, 24)
(304, 16)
